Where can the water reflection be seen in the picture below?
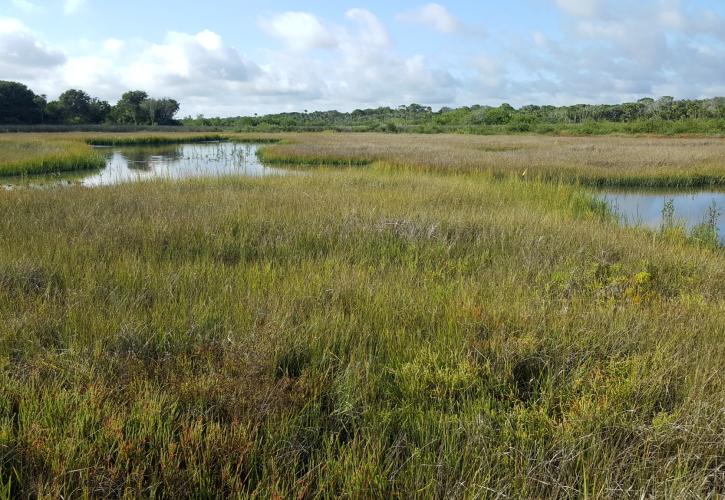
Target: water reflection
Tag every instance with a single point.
(645, 207)
(137, 163)
(180, 161)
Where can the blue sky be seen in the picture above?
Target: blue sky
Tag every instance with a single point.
(233, 57)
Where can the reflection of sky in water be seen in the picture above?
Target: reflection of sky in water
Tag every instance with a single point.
(646, 208)
(180, 161)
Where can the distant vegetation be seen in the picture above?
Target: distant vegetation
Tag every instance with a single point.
(19, 105)
(646, 116)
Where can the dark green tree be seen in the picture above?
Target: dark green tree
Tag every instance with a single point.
(18, 104)
(76, 106)
(129, 108)
(160, 111)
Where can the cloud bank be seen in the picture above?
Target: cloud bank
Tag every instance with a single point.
(603, 51)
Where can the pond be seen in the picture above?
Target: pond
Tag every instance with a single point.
(646, 207)
(177, 161)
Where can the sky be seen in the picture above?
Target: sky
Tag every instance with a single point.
(235, 57)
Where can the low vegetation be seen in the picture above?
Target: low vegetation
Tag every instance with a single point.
(666, 116)
(140, 139)
(595, 161)
(379, 331)
(36, 155)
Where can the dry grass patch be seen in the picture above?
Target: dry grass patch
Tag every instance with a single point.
(587, 160)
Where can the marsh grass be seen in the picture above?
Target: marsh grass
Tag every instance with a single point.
(50, 153)
(32, 155)
(356, 332)
(592, 161)
(151, 138)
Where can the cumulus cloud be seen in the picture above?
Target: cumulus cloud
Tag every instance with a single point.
(434, 15)
(437, 17)
(299, 30)
(22, 54)
(616, 50)
(184, 64)
(581, 8)
(602, 52)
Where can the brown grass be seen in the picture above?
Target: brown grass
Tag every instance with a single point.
(586, 160)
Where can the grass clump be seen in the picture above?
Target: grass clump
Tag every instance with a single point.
(138, 139)
(21, 155)
(356, 332)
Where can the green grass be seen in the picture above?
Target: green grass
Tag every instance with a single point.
(139, 139)
(146, 138)
(27, 155)
(354, 332)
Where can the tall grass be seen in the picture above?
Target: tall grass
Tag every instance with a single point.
(594, 161)
(146, 138)
(31, 155)
(139, 139)
(356, 332)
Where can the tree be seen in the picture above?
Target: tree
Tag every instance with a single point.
(98, 111)
(160, 111)
(41, 102)
(18, 104)
(76, 106)
(129, 109)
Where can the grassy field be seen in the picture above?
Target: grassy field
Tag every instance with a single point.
(597, 161)
(592, 161)
(371, 331)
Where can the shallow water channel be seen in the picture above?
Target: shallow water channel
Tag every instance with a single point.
(645, 207)
(176, 161)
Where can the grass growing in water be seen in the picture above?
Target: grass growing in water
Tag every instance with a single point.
(139, 139)
(355, 332)
(48, 153)
(31, 155)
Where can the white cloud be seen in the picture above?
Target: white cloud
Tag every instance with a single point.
(372, 32)
(22, 54)
(200, 64)
(581, 8)
(72, 6)
(434, 15)
(299, 30)
(113, 46)
(601, 54)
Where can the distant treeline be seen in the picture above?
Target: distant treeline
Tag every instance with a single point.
(663, 115)
(19, 105)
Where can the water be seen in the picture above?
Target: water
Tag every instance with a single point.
(645, 207)
(178, 161)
